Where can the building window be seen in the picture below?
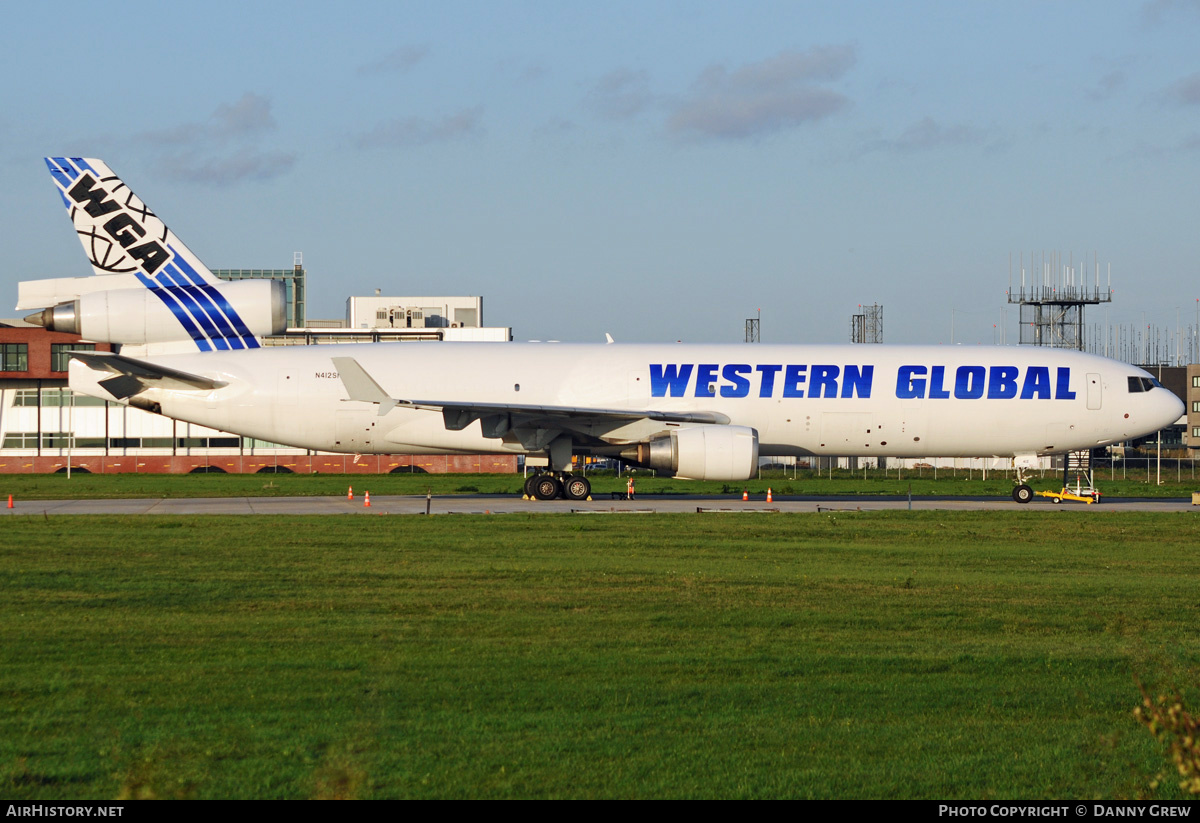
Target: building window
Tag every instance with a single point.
(59, 357)
(252, 443)
(1196, 382)
(53, 398)
(14, 357)
(1196, 405)
(21, 440)
(208, 442)
(29, 440)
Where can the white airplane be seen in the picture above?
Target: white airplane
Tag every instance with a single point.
(191, 351)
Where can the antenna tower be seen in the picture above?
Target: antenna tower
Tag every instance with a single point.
(867, 326)
(1052, 295)
(752, 324)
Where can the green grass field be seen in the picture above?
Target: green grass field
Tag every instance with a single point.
(999, 484)
(936, 655)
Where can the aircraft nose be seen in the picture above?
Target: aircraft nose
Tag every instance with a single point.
(1170, 408)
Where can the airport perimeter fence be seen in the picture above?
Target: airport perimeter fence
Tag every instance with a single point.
(1144, 469)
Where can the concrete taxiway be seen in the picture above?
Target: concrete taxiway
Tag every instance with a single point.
(511, 504)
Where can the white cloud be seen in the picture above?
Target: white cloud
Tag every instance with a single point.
(417, 131)
(778, 93)
(396, 61)
(621, 94)
(927, 134)
(242, 164)
(221, 149)
(1186, 91)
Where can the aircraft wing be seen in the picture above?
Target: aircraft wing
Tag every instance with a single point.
(135, 376)
(497, 417)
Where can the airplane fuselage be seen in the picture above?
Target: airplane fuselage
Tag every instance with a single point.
(902, 401)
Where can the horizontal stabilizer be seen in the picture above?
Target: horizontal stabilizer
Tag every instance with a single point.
(37, 294)
(135, 376)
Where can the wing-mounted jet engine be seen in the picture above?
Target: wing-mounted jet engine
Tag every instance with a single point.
(700, 453)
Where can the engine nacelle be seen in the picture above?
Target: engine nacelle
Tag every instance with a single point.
(139, 316)
(701, 453)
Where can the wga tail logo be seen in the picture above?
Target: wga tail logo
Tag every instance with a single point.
(120, 238)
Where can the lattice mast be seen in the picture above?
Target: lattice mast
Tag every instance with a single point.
(1052, 296)
(867, 325)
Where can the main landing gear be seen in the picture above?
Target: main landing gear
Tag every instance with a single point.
(548, 486)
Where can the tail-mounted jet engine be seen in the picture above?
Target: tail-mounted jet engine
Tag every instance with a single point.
(140, 315)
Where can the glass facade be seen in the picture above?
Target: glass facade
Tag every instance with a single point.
(59, 357)
(50, 440)
(63, 440)
(293, 284)
(53, 398)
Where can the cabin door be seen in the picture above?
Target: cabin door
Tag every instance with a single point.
(1094, 388)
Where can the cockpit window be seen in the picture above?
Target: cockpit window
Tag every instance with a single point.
(1141, 384)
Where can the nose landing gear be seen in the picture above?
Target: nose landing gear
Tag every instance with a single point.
(1081, 462)
(1022, 493)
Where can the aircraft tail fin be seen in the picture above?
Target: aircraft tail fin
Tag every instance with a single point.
(120, 235)
(152, 290)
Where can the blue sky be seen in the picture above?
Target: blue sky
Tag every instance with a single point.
(659, 171)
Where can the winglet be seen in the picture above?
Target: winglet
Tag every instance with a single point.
(361, 386)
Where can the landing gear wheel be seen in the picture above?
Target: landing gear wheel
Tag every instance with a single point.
(576, 488)
(529, 481)
(546, 487)
(1022, 493)
(1055, 499)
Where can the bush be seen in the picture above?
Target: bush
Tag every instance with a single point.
(1169, 720)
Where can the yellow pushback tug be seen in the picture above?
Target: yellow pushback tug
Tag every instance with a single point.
(1084, 494)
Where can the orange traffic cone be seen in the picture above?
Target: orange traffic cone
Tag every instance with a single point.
(350, 493)
(769, 498)
(10, 505)
(366, 500)
(745, 494)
